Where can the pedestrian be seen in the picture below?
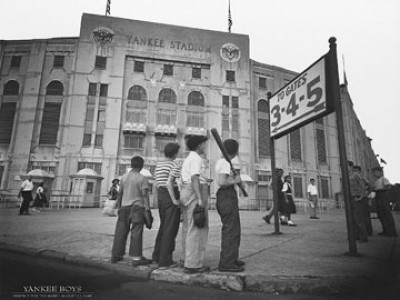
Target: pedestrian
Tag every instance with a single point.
(228, 210)
(271, 212)
(312, 193)
(288, 207)
(133, 213)
(26, 194)
(40, 198)
(357, 193)
(193, 193)
(109, 208)
(166, 173)
(366, 202)
(381, 187)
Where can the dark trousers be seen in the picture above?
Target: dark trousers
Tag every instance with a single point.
(367, 215)
(228, 210)
(26, 200)
(385, 214)
(169, 226)
(360, 227)
(130, 218)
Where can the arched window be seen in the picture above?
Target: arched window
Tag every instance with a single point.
(167, 95)
(196, 98)
(137, 92)
(11, 88)
(55, 88)
(263, 129)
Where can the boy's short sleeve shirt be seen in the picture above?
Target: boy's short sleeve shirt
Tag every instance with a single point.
(191, 166)
(132, 185)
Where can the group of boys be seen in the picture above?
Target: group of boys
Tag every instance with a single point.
(134, 210)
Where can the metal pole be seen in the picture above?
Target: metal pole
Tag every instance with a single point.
(274, 180)
(333, 65)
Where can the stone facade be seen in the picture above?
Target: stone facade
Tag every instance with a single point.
(127, 87)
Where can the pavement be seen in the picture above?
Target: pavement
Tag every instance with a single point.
(310, 258)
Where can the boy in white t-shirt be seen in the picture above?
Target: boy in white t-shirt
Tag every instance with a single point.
(228, 210)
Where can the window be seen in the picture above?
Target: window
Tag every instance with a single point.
(168, 70)
(166, 117)
(98, 141)
(103, 90)
(264, 176)
(90, 165)
(135, 115)
(298, 186)
(15, 62)
(167, 95)
(195, 119)
(58, 61)
(196, 98)
(263, 129)
(262, 83)
(89, 188)
(137, 92)
(7, 112)
(55, 88)
(92, 89)
(235, 102)
(138, 66)
(295, 145)
(1, 172)
(133, 141)
(162, 141)
(225, 121)
(50, 123)
(11, 88)
(324, 188)
(122, 169)
(100, 63)
(87, 139)
(230, 76)
(196, 73)
(225, 101)
(321, 149)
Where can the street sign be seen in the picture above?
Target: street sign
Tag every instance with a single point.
(303, 100)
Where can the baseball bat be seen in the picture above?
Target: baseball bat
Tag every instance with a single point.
(221, 146)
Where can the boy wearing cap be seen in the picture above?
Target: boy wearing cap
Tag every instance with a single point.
(381, 187)
(194, 187)
(228, 210)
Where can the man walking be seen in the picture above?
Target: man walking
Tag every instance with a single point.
(357, 192)
(271, 212)
(26, 194)
(312, 193)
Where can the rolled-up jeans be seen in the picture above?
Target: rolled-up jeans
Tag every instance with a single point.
(130, 218)
(194, 239)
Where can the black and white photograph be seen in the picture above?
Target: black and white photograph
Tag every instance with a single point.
(193, 150)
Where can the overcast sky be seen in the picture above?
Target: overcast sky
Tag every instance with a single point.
(288, 33)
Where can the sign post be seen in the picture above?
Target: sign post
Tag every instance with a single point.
(311, 95)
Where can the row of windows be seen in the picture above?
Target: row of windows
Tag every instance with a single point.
(54, 88)
(168, 69)
(58, 61)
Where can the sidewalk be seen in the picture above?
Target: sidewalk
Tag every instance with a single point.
(309, 258)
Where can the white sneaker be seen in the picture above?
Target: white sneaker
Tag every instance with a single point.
(35, 210)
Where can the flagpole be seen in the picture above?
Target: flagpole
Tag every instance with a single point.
(229, 17)
(108, 7)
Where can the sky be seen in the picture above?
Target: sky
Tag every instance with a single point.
(287, 33)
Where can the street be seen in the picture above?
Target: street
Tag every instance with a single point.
(28, 277)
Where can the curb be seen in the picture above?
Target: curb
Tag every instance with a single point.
(225, 281)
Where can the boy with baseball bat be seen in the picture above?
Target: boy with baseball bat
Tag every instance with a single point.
(228, 210)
